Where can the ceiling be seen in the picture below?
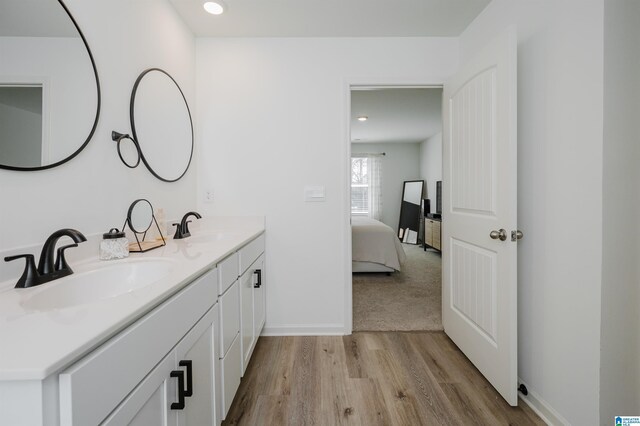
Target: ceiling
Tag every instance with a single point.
(396, 115)
(332, 18)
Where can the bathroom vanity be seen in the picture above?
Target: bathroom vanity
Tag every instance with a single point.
(167, 347)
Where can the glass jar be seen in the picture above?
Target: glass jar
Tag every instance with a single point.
(114, 245)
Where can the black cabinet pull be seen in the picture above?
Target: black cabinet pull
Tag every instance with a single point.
(258, 272)
(180, 404)
(188, 364)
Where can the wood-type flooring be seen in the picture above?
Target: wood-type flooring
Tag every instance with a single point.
(368, 378)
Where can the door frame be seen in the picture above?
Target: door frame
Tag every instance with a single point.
(350, 84)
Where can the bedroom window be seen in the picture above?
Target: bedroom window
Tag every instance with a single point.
(365, 185)
(359, 186)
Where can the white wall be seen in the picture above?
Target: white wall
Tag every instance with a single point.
(431, 166)
(400, 163)
(273, 118)
(93, 191)
(560, 125)
(620, 341)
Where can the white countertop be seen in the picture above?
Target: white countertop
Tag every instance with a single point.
(35, 344)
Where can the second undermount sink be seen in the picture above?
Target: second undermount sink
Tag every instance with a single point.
(103, 282)
(211, 237)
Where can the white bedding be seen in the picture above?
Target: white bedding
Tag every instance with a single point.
(373, 241)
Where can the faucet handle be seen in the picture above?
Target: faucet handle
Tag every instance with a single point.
(178, 233)
(185, 231)
(61, 262)
(30, 275)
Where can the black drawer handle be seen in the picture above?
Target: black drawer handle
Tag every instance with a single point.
(188, 364)
(258, 272)
(180, 404)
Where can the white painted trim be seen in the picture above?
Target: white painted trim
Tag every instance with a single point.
(346, 209)
(362, 83)
(542, 408)
(304, 330)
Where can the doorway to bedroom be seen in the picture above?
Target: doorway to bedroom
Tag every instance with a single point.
(396, 167)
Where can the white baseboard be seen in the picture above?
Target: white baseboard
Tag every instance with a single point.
(304, 330)
(542, 408)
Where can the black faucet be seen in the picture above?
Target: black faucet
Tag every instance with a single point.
(182, 228)
(47, 269)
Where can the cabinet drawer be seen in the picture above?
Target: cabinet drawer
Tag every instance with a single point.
(94, 386)
(229, 317)
(231, 366)
(250, 252)
(228, 272)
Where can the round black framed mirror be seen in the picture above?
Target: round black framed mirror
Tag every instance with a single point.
(161, 124)
(49, 86)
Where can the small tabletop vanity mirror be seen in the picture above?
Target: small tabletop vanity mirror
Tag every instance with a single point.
(140, 219)
(49, 88)
(410, 211)
(161, 127)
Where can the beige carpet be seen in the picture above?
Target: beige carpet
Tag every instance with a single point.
(405, 301)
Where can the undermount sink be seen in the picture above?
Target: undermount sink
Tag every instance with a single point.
(209, 237)
(103, 282)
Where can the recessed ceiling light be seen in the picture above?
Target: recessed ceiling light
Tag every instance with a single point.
(363, 118)
(216, 7)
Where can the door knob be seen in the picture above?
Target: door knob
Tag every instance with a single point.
(516, 235)
(499, 235)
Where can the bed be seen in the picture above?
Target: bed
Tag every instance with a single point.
(375, 246)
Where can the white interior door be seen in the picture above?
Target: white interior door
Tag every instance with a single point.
(479, 300)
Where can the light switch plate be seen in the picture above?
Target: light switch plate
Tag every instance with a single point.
(314, 193)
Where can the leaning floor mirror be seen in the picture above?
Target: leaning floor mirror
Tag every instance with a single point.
(409, 225)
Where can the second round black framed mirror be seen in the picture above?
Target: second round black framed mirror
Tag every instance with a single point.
(161, 124)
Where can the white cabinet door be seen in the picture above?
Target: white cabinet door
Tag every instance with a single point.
(149, 403)
(259, 297)
(181, 390)
(196, 354)
(124, 361)
(246, 323)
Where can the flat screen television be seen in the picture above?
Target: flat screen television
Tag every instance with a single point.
(439, 197)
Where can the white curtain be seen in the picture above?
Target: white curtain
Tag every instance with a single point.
(375, 186)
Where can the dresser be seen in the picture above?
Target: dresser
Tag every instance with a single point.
(432, 233)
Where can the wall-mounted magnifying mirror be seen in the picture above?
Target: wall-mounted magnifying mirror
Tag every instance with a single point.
(49, 88)
(161, 124)
(128, 149)
(140, 218)
(410, 211)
